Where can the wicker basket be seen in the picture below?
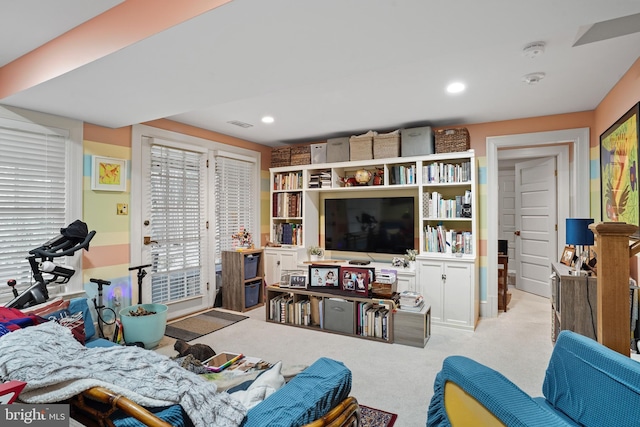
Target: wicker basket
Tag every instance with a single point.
(452, 140)
(280, 156)
(386, 145)
(361, 147)
(301, 155)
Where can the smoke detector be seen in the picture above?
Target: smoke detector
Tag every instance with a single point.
(533, 50)
(533, 78)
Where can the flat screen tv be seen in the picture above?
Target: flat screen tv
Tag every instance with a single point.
(381, 224)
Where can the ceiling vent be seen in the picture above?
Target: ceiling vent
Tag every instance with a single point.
(241, 124)
(533, 78)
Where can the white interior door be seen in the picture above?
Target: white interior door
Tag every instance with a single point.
(507, 212)
(174, 216)
(536, 223)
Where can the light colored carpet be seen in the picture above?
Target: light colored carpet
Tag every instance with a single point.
(397, 378)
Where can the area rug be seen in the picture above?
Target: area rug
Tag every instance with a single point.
(371, 417)
(194, 327)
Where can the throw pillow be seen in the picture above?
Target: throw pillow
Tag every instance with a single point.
(47, 307)
(264, 386)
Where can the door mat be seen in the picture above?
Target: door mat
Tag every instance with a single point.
(194, 327)
(371, 417)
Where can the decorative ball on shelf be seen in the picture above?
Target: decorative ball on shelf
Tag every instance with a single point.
(363, 176)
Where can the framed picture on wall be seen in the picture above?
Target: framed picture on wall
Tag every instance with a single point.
(619, 200)
(108, 174)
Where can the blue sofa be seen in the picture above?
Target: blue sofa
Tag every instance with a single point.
(320, 392)
(586, 384)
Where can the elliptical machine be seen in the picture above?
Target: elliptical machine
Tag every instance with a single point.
(71, 239)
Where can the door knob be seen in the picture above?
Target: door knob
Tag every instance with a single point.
(148, 241)
(517, 232)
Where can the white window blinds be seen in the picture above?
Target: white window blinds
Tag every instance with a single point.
(33, 197)
(236, 200)
(177, 222)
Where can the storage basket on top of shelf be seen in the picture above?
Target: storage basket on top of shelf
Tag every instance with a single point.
(361, 146)
(386, 145)
(452, 140)
(301, 155)
(280, 156)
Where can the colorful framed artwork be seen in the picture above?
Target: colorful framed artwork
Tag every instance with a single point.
(567, 255)
(323, 276)
(108, 174)
(619, 170)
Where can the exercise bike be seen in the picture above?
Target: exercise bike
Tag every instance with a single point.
(71, 239)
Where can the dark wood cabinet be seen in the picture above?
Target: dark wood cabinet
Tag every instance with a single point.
(242, 279)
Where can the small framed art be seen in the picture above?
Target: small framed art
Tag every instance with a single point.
(298, 280)
(567, 255)
(323, 276)
(108, 174)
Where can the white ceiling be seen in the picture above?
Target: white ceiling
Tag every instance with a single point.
(334, 67)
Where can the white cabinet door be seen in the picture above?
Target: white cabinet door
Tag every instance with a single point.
(278, 260)
(430, 285)
(406, 282)
(457, 294)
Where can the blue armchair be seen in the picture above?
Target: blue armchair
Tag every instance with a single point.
(586, 384)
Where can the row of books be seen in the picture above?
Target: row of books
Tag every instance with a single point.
(373, 320)
(435, 206)
(287, 205)
(287, 233)
(285, 309)
(439, 239)
(400, 175)
(438, 173)
(320, 179)
(287, 181)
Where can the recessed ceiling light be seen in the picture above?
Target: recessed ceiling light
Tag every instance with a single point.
(456, 87)
(267, 119)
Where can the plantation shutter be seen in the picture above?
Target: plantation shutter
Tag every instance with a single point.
(236, 200)
(177, 209)
(33, 196)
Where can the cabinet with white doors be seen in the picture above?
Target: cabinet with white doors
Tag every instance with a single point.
(450, 286)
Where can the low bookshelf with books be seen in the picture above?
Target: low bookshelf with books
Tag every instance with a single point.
(362, 317)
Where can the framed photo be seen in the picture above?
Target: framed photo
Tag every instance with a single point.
(323, 276)
(355, 279)
(567, 255)
(298, 280)
(108, 174)
(619, 170)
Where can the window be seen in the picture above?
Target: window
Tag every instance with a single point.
(236, 199)
(40, 191)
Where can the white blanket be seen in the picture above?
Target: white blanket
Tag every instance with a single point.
(55, 367)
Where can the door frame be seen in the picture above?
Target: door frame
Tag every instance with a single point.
(579, 183)
(135, 222)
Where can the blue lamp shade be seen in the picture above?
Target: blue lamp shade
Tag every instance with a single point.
(578, 232)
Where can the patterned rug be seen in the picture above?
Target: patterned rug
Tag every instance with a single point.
(370, 417)
(194, 327)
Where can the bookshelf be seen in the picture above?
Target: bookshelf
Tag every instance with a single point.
(333, 313)
(444, 187)
(242, 279)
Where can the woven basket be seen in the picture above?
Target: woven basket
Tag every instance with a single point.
(361, 147)
(280, 156)
(386, 145)
(301, 155)
(452, 140)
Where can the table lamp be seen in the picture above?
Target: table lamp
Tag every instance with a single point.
(579, 235)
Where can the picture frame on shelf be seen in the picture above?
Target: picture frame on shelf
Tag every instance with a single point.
(567, 255)
(108, 174)
(323, 276)
(355, 279)
(298, 280)
(619, 193)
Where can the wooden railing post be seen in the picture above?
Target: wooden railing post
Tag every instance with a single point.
(614, 326)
